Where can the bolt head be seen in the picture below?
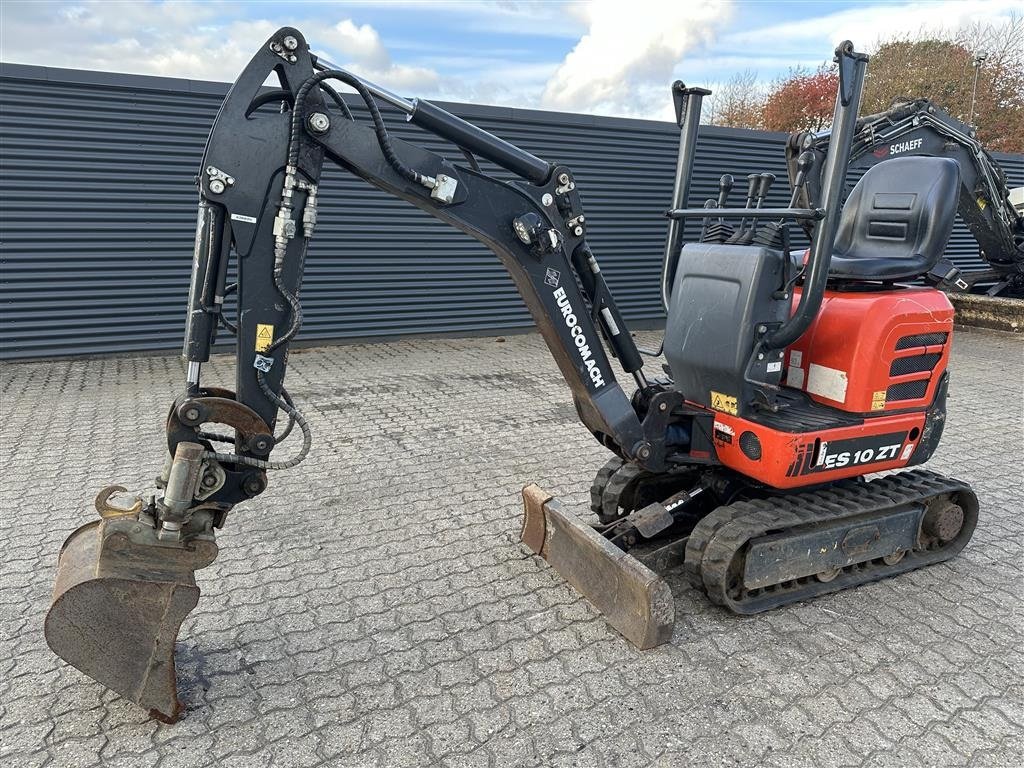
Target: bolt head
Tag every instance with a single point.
(319, 122)
(290, 43)
(192, 414)
(662, 406)
(547, 199)
(217, 186)
(563, 178)
(210, 480)
(578, 231)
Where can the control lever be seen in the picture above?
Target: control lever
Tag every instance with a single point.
(767, 179)
(724, 188)
(764, 183)
(719, 231)
(709, 203)
(775, 234)
(753, 179)
(803, 165)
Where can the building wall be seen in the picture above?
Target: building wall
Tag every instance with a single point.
(98, 216)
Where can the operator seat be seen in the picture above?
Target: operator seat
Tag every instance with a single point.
(897, 220)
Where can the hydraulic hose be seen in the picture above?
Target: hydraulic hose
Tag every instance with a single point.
(336, 98)
(298, 114)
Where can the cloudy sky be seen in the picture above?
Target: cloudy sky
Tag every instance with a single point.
(598, 56)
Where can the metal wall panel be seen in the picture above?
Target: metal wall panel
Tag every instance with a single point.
(98, 214)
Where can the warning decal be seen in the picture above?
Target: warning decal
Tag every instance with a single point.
(264, 336)
(724, 403)
(878, 400)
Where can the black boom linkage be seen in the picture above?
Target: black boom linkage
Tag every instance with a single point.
(259, 191)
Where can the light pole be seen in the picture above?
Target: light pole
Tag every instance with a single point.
(979, 59)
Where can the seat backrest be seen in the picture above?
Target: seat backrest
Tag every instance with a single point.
(897, 220)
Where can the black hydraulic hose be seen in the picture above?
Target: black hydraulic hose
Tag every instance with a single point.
(471, 159)
(336, 97)
(378, 122)
(283, 402)
(231, 327)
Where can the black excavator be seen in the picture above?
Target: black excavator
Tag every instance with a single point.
(919, 128)
(789, 377)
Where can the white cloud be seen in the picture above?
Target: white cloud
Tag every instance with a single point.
(867, 24)
(623, 64)
(180, 38)
(367, 56)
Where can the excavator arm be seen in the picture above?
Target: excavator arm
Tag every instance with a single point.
(259, 190)
(919, 127)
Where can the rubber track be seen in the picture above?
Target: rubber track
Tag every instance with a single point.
(604, 474)
(718, 538)
(620, 480)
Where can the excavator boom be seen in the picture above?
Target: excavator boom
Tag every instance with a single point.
(258, 188)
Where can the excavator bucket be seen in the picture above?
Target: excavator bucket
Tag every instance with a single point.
(120, 597)
(634, 600)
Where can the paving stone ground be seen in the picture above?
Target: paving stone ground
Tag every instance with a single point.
(374, 608)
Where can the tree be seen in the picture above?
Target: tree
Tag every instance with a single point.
(802, 101)
(943, 69)
(738, 102)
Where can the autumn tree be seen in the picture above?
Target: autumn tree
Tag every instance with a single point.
(802, 101)
(943, 69)
(738, 102)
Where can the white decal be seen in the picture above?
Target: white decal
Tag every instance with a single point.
(795, 378)
(906, 452)
(246, 219)
(863, 456)
(578, 338)
(905, 146)
(827, 382)
(796, 358)
(724, 428)
(775, 367)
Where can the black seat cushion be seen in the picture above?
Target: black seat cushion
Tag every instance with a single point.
(897, 220)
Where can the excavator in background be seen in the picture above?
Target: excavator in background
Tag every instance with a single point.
(991, 210)
(789, 377)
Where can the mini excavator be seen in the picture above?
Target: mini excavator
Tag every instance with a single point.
(790, 375)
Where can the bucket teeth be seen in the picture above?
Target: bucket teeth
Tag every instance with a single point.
(118, 605)
(634, 600)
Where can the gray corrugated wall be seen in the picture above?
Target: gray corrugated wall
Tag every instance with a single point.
(98, 214)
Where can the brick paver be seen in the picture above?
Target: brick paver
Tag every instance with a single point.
(374, 608)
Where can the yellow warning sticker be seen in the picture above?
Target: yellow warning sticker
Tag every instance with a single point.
(878, 400)
(264, 336)
(724, 403)
(982, 203)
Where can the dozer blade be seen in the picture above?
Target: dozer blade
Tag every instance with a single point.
(118, 603)
(633, 599)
